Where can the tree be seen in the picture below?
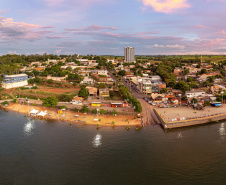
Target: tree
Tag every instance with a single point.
(189, 79)
(122, 72)
(194, 100)
(85, 109)
(182, 85)
(69, 68)
(211, 79)
(35, 72)
(75, 109)
(66, 97)
(94, 111)
(114, 112)
(102, 111)
(186, 71)
(163, 90)
(203, 71)
(83, 92)
(101, 86)
(50, 101)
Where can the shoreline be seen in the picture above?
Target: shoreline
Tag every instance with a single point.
(83, 118)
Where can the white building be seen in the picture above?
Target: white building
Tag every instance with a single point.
(129, 54)
(195, 94)
(14, 81)
(87, 80)
(103, 73)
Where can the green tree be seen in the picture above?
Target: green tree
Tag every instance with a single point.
(50, 101)
(163, 90)
(186, 71)
(182, 85)
(203, 71)
(94, 111)
(189, 79)
(102, 111)
(83, 92)
(101, 86)
(114, 112)
(75, 109)
(194, 100)
(85, 109)
(122, 72)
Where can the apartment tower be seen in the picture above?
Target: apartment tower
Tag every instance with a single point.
(129, 54)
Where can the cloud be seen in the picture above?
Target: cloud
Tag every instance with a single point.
(166, 6)
(175, 46)
(10, 29)
(53, 3)
(58, 52)
(54, 37)
(200, 26)
(223, 32)
(91, 28)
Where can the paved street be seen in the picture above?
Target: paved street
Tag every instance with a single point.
(148, 114)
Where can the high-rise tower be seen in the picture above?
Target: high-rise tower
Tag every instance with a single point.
(129, 54)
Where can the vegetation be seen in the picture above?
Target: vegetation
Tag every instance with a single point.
(83, 92)
(85, 109)
(126, 95)
(114, 112)
(50, 101)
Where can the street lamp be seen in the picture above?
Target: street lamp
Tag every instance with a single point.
(97, 116)
(222, 97)
(180, 99)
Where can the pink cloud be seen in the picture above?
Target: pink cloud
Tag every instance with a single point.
(10, 22)
(214, 42)
(11, 30)
(166, 6)
(200, 26)
(60, 2)
(97, 27)
(223, 32)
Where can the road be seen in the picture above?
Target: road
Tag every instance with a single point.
(148, 115)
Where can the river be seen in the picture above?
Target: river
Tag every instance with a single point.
(55, 153)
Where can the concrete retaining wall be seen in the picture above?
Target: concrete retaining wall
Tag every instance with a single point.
(185, 123)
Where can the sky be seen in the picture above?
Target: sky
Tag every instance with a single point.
(105, 27)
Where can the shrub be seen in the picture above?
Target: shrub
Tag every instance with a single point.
(94, 111)
(75, 109)
(85, 109)
(102, 111)
(114, 112)
(63, 107)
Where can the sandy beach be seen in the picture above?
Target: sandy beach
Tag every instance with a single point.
(69, 116)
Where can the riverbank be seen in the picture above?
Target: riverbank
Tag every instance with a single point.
(69, 116)
(187, 116)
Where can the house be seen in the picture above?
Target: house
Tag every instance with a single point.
(157, 97)
(92, 91)
(14, 81)
(77, 100)
(104, 92)
(105, 73)
(55, 78)
(195, 94)
(87, 80)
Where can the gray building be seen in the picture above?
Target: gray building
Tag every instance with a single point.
(129, 54)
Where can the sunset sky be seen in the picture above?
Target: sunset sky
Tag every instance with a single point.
(107, 26)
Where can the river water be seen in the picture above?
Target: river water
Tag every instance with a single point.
(52, 153)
